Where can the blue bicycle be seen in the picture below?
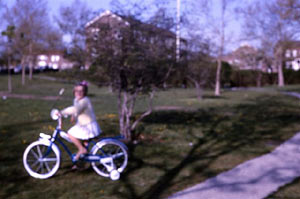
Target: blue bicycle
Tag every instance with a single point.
(41, 159)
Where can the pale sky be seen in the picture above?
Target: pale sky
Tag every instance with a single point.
(93, 4)
(97, 5)
(54, 5)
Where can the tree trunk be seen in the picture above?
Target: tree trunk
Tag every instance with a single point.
(199, 91)
(30, 62)
(218, 78)
(121, 113)
(110, 88)
(126, 103)
(9, 84)
(280, 73)
(23, 71)
(30, 71)
(124, 116)
(221, 49)
(258, 79)
(127, 134)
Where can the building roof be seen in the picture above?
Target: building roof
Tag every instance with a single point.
(130, 20)
(106, 13)
(293, 44)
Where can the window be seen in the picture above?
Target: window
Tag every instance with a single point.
(117, 34)
(288, 53)
(237, 61)
(42, 57)
(95, 30)
(296, 65)
(169, 42)
(95, 36)
(55, 66)
(289, 64)
(55, 58)
(294, 53)
(42, 63)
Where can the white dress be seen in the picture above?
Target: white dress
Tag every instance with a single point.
(86, 126)
(85, 132)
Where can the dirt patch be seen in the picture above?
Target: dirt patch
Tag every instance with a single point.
(5, 95)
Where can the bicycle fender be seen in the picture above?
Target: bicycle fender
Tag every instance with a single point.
(108, 140)
(48, 143)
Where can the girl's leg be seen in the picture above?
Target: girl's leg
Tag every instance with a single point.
(77, 143)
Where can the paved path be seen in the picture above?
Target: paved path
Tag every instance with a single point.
(6, 95)
(254, 179)
(292, 94)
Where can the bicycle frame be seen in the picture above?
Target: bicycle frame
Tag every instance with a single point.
(55, 137)
(106, 160)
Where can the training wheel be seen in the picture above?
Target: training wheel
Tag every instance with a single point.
(114, 175)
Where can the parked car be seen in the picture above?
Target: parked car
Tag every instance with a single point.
(3, 70)
(17, 69)
(41, 68)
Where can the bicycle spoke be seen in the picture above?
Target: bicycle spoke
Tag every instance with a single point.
(103, 152)
(47, 166)
(32, 160)
(39, 168)
(43, 167)
(35, 163)
(39, 151)
(119, 149)
(117, 155)
(34, 154)
(49, 159)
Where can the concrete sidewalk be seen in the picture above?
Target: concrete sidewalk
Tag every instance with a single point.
(254, 179)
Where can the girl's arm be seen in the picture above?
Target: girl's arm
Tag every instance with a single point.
(76, 109)
(71, 110)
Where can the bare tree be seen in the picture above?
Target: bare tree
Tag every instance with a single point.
(211, 18)
(222, 38)
(136, 57)
(71, 21)
(200, 65)
(252, 58)
(271, 24)
(31, 21)
(10, 34)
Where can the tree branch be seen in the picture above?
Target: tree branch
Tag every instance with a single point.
(148, 112)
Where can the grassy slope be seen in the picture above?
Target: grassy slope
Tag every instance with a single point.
(177, 148)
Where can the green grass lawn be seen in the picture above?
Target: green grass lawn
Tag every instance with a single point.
(183, 142)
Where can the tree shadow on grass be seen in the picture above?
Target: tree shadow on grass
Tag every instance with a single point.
(225, 132)
(11, 147)
(13, 130)
(213, 97)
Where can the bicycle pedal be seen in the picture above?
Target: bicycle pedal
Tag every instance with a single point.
(74, 158)
(82, 156)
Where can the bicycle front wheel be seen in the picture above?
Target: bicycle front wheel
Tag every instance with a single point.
(40, 160)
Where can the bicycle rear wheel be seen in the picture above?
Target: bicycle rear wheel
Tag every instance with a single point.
(40, 160)
(114, 157)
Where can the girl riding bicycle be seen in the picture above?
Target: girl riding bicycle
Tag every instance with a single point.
(82, 112)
